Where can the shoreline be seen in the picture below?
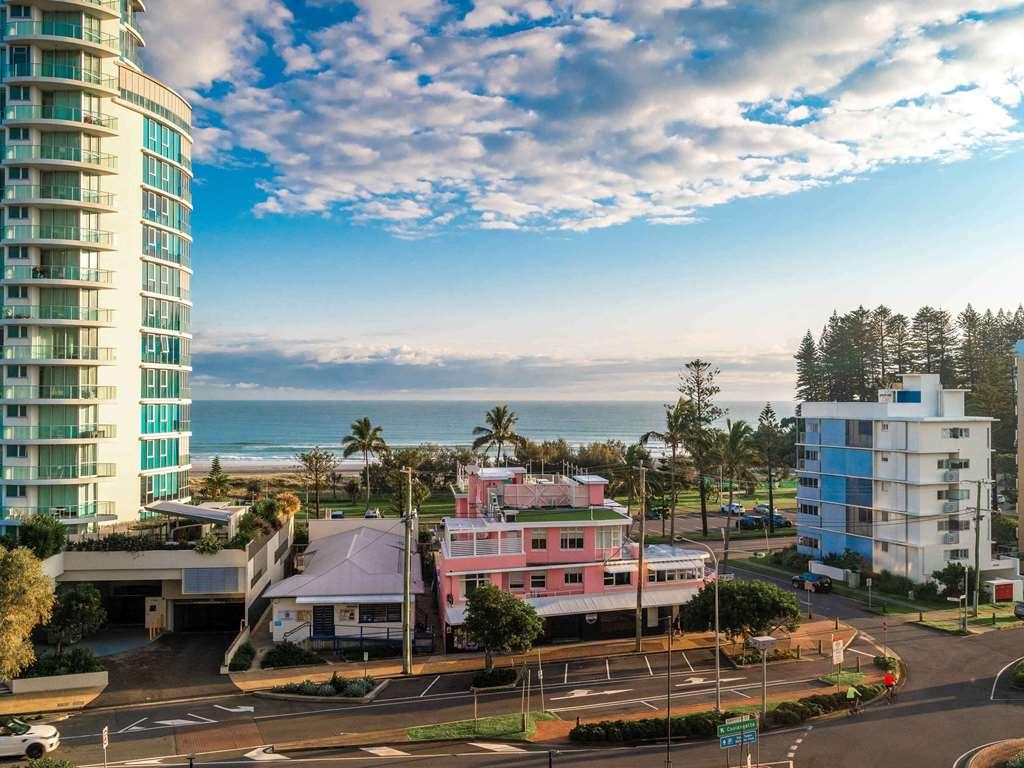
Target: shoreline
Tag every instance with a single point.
(255, 467)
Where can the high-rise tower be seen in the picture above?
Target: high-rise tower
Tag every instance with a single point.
(96, 221)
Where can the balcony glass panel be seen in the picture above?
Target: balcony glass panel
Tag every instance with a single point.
(53, 28)
(40, 272)
(69, 432)
(22, 152)
(59, 392)
(55, 232)
(14, 512)
(60, 471)
(55, 112)
(52, 192)
(58, 352)
(60, 71)
(45, 312)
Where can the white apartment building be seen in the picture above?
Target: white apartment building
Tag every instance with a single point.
(898, 481)
(96, 267)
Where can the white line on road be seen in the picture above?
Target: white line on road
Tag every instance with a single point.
(134, 725)
(741, 693)
(648, 663)
(430, 686)
(264, 754)
(200, 717)
(565, 677)
(496, 747)
(646, 704)
(687, 660)
(998, 674)
(607, 669)
(854, 650)
(583, 693)
(385, 751)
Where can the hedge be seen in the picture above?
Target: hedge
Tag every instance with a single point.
(74, 662)
(886, 663)
(289, 655)
(354, 688)
(495, 677)
(1018, 675)
(243, 657)
(702, 725)
(1017, 761)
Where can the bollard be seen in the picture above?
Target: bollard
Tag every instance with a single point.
(837, 622)
(920, 615)
(993, 618)
(798, 651)
(819, 648)
(858, 663)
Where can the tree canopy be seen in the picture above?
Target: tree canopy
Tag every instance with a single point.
(366, 439)
(745, 608)
(217, 481)
(500, 430)
(499, 622)
(26, 600)
(317, 466)
(77, 613)
(45, 535)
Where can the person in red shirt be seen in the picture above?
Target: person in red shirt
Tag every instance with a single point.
(890, 685)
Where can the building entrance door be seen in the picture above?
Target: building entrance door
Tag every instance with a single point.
(323, 621)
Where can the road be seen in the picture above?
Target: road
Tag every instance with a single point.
(953, 700)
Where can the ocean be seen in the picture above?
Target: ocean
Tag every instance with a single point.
(274, 431)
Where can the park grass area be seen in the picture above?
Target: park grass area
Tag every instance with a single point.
(893, 604)
(990, 616)
(494, 727)
(843, 679)
(688, 500)
(440, 504)
(714, 534)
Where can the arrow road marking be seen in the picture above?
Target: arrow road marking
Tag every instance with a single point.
(134, 726)
(264, 753)
(235, 709)
(581, 693)
(181, 723)
(704, 680)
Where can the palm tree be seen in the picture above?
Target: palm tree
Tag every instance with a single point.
(500, 430)
(736, 452)
(367, 440)
(673, 436)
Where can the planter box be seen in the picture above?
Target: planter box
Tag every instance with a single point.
(300, 697)
(59, 683)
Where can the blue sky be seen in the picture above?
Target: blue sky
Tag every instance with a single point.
(544, 199)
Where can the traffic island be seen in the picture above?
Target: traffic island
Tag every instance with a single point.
(1000, 755)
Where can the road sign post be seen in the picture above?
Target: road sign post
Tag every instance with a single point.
(885, 645)
(867, 581)
(105, 738)
(809, 588)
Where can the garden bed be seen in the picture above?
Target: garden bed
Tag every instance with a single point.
(497, 679)
(496, 727)
(357, 689)
(289, 655)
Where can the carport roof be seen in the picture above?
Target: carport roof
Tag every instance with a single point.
(207, 514)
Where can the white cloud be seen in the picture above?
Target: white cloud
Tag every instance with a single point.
(591, 113)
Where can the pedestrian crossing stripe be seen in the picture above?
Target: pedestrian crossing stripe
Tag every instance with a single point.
(495, 747)
(385, 751)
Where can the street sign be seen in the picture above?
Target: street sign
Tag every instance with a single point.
(808, 586)
(727, 577)
(868, 582)
(736, 739)
(737, 725)
(106, 736)
(837, 650)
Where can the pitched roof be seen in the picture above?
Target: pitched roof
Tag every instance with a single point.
(362, 562)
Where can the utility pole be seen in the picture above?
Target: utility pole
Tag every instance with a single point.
(977, 549)
(407, 600)
(668, 688)
(640, 560)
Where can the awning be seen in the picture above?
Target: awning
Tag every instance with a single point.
(568, 605)
(677, 565)
(620, 567)
(206, 514)
(348, 599)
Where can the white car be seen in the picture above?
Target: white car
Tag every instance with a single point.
(19, 739)
(732, 509)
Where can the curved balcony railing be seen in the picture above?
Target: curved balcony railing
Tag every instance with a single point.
(91, 509)
(175, 426)
(18, 192)
(178, 325)
(59, 392)
(58, 232)
(60, 71)
(30, 112)
(180, 293)
(40, 272)
(48, 312)
(69, 432)
(15, 29)
(29, 152)
(166, 358)
(58, 352)
(59, 471)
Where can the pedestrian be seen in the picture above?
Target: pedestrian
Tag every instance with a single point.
(853, 699)
(890, 686)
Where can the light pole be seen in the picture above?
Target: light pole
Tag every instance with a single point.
(668, 688)
(764, 643)
(718, 668)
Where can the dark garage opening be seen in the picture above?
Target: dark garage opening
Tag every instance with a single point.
(208, 617)
(125, 601)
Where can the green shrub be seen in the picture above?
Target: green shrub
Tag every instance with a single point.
(289, 655)
(1017, 761)
(44, 535)
(886, 663)
(1018, 675)
(495, 677)
(50, 762)
(336, 687)
(243, 657)
(74, 662)
(788, 713)
(210, 544)
(789, 559)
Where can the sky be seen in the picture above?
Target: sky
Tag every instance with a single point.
(548, 199)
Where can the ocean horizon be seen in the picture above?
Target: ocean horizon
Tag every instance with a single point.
(274, 431)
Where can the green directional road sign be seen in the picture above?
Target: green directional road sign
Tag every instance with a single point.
(737, 726)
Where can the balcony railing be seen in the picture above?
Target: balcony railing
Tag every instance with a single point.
(46, 312)
(166, 324)
(58, 232)
(474, 546)
(40, 272)
(180, 293)
(58, 352)
(166, 358)
(15, 29)
(30, 112)
(60, 71)
(70, 511)
(59, 392)
(22, 152)
(70, 432)
(60, 471)
(53, 192)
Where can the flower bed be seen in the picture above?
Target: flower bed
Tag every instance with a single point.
(336, 687)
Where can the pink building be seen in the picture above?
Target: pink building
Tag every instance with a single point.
(559, 544)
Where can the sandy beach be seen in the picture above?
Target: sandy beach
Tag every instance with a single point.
(267, 467)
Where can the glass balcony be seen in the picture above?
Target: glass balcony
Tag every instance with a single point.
(89, 509)
(48, 312)
(70, 432)
(61, 71)
(55, 232)
(60, 471)
(40, 272)
(18, 192)
(29, 152)
(15, 29)
(58, 352)
(31, 112)
(59, 392)
(166, 358)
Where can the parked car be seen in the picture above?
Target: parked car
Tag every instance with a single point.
(751, 522)
(732, 509)
(819, 582)
(655, 514)
(780, 522)
(1018, 611)
(1000, 499)
(337, 514)
(19, 739)
(763, 509)
(372, 514)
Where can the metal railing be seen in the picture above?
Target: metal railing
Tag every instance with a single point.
(60, 71)
(41, 272)
(60, 471)
(58, 352)
(92, 509)
(67, 432)
(59, 29)
(59, 392)
(55, 192)
(55, 232)
(31, 112)
(22, 152)
(47, 312)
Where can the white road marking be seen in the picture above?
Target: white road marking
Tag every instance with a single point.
(687, 660)
(201, 718)
(495, 747)
(180, 723)
(800, 740)
(741, 693)
(648, 663)
(854, 650)
(385, 751)
(430, 686)
(143, 762)
(565, 677)
(582, 693)
(235, 709)
(702, 680)
(791, 755)
(263, 754)
(134, 726)
(607, 669)
(999, 674)
(646, 704)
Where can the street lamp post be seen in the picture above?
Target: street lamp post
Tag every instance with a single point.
(718, 668)
(764, 644)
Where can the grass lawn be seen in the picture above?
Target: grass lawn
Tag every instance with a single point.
(497, 726)
(565, 515)
(734, 535)
(1004, 619)
(843, 679)
(440, 504)
(689, 499)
